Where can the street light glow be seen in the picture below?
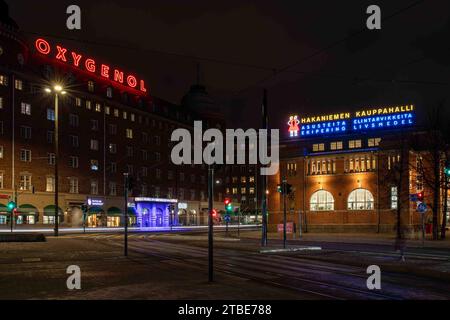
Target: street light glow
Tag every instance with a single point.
(58, 88)
(47, 90)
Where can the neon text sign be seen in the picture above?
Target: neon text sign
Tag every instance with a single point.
(90, 65)
(340, 123)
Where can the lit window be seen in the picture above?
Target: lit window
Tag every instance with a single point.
(132, 117)
(94, 187)
(112, 189)
(322, 201)
(3, 80)
(353, 144)
(109, 92)
(19, 84)
(318, 147)
(373, 142)
(337, 145)
(98, 107)
(1, 102)
(88, 104)
(129, 133)
(1, 152)
(73, 162)
(50, 184)
(94, 165)
(94, 144)
(73, 185)
(243, 179)
(78, 102)
(112, 148)
(116, 113)
(360, 199)
(25, 108)
(107, 110)
(51, 159)
(25, 182)
(125, 116)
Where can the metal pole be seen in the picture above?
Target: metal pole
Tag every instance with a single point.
(210, 223)
(264, 178)
(284, 212)
(239, 222)
(56, 167)
(125, 192)
(423, 229)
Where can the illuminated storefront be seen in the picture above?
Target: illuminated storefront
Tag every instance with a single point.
(154, 212)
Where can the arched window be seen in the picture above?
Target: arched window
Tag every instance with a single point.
(321, 201)
(360, 199)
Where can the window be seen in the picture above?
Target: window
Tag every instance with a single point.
(292, 169)
(73, 162)
(1, 102)
(50, 184)
(157, 191)
(144, 154)
(251, 179)
(157, 156)
(94, 144)
(107, 110)
(157, 140)
(50, 114)
(116, 113)
(25, 155)
(235, 190)
(98, 107)
(112, 189)
(113, 167)
(353, 144)
(112, 148)
(3, 80)
(78, 102)
(129, 151)
(94, 125)
(132, 117)
(1, 127)
(1, 152)
(243, 190)
(91, 86)
(25, 132)
(73, 120)
(50, 135)
(243, 179)
(144, 137)
(1, 180)
(321, 201)
(158, 173)
(73, 185)
(125, 115)
(394, 197)
(318, 147)
(192, 194)
(25, 181)
(373, 142)
(74, 141)
(337, 145)
(94, 187)
(109, 92)
(144, 171)
(18, 84)
(51, 159)
(25, 108)
(129, 133)
(129, 168)
(144, 190)
(360, 199)
(112, 129)
(94, 165)
(88, 104)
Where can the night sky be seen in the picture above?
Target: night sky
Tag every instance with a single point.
(408, 61)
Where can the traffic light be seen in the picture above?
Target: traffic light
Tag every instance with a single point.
(11, 205)
(279, 188)
(420, 196)
(447, 169)
(214, 213)
(288, 188)
(228, 205)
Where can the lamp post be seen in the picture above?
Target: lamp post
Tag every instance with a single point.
(56, 90)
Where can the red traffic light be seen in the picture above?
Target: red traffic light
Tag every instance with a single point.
(214, 213)
(227, 201)
(420, 196)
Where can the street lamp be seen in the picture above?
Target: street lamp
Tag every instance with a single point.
(56, 90)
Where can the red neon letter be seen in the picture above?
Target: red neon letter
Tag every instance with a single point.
(105, 71)
(42, 46)
(118, 76)
(143, 89)
(76, 59)
(90, 65)
(132, 82)
(61, 53)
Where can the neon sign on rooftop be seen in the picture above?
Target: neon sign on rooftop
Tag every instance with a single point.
(90, 65)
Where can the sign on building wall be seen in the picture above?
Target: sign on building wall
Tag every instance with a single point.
(365, 120)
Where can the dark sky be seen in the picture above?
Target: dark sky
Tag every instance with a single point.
(406, 62)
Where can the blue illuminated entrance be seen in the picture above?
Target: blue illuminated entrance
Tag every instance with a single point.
(154, 212)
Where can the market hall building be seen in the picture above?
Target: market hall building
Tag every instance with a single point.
(343, 169)
(109, 123)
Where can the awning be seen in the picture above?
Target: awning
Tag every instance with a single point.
(3, 209)
(131, 212)
(95, 210)
(50, 210)
(27, 209)
(114, 211)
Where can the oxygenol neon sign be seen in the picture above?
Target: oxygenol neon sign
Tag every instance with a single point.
(371, 119)
(90, 65)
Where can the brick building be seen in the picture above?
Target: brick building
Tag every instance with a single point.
(109, 124)
(345, 172)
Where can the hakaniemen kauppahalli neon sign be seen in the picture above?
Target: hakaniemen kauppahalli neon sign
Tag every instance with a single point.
(90, 65)
(339, 123)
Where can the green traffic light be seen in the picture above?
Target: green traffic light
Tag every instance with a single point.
(11, 205)
(447, 172)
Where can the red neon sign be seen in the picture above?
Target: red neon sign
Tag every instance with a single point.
(90, 65)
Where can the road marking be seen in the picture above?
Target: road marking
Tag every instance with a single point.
(31, 259)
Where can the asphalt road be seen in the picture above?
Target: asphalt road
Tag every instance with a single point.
(175, 267)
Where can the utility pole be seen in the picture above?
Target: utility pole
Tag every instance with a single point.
(210, 222)
(56, 168)
(125, 192)
(284, 189)
(264, 178)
